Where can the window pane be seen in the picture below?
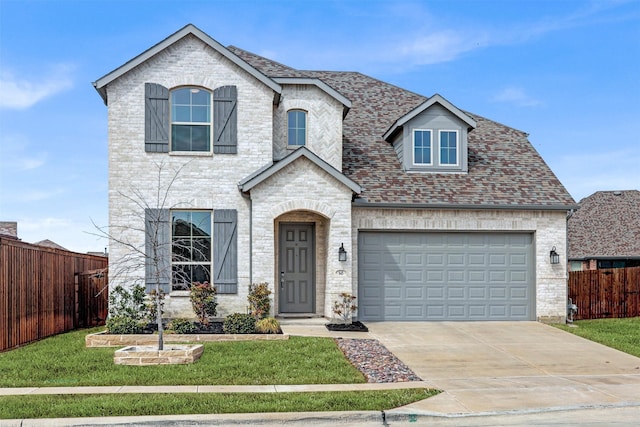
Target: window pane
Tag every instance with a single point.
(201, 222)
(180, 223)
(422, 147)
(200, 273)
(181, 113)
(202, 249)
(181, 250)
(297, 127)
(448, 148)
(180, 96)
(180, 138)
(199, 138)
(200, 114)
(201, 97)
(181, 277)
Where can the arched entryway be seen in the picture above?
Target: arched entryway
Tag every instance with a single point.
(301, 249)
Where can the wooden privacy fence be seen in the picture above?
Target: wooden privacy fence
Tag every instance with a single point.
(45, 291)
(606, 293)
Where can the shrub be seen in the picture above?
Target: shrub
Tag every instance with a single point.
(239, 323)
(345, 308)
(127, 303)
(152, 308)
(182, 326)
(259, 302)
(123, 324)
(203, 301)
(268, 325)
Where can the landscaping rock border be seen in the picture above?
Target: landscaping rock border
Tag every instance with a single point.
(377, 363)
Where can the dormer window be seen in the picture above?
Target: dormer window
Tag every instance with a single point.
(422, 147)
(449, 147)
(432, 138)
(297, 128)
(190, 120)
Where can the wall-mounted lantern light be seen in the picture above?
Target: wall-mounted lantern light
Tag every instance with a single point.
(342, 253)
(553, 256)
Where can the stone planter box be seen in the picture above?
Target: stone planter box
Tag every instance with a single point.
(102, 339)
(145, 355)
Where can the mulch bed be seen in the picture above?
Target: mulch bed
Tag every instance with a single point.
(377, 363)
(352, 327)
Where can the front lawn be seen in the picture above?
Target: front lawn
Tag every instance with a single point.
(63, 360)
(621, 334)
(66, 406)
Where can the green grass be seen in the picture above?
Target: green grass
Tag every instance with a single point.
(621, 334)
(66, 406)
(63, 360)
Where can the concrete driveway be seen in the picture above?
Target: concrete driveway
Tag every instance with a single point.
(495, 367)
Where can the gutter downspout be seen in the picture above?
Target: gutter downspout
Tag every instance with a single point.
(248, 197)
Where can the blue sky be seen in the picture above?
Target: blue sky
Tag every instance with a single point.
(566, 72)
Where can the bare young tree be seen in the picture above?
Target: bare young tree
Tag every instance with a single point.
(150, 213)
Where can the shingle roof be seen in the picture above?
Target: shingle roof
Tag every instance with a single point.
(504, 168)
(607, 225)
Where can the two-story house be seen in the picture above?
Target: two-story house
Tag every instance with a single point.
(327, 182)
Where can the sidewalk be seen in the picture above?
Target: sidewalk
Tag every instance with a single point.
(485, 371)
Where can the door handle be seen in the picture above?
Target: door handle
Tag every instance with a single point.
(282, 280)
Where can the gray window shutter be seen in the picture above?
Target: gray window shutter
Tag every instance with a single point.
(225, 120)
(156, 118)
(225, 251)
(157, 247)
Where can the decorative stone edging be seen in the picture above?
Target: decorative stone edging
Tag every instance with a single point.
(149, 355)
(102, 339)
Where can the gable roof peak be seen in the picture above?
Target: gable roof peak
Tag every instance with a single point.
(436, 98)
(101, 84)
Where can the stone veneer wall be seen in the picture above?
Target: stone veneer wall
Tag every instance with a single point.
(299, 190)
(548, 227)
(207, 181)
(324, 123)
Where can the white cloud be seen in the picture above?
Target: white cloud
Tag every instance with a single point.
(515, 95)
(21, 93)
(441, 46)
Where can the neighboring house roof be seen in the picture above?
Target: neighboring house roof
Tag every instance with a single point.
(607, 225)
(50, 244)
(505, 170)
(187, 30)
(269, 170)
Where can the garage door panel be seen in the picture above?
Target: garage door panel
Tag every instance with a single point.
(445, 276)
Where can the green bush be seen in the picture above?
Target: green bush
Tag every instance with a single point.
(203, 301)
(182, 326)
(268, 325)
(123, 324)
(259, 302)
(123, 302)
(152, 307)
(239, 323)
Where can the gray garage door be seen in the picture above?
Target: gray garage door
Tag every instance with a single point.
(445, 276)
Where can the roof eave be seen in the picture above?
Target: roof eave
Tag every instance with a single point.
(365, 204)
(102, 82)
(264, 173)
(320, 85)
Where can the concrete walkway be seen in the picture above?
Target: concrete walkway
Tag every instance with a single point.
(484, 368)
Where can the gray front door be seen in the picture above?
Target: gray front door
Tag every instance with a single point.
(297, 268)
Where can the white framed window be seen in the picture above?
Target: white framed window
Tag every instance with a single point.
(190, 119)
(448, 140)
(422, 147)
(297, 127)
(191, 249)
